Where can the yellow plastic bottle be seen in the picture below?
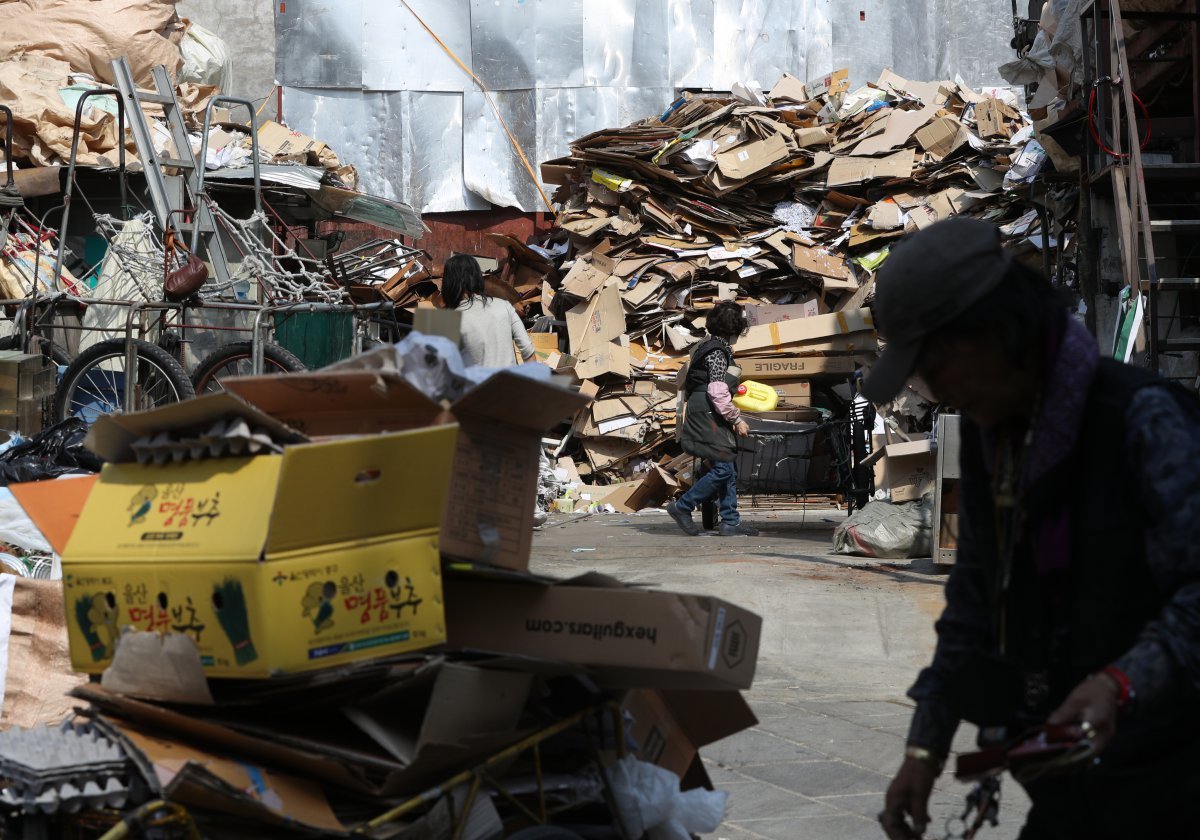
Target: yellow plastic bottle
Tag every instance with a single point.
(755, 396)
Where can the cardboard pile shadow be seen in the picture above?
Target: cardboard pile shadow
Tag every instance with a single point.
(787, 203)
(306, 638)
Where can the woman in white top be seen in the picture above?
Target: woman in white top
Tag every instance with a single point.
(489, 325)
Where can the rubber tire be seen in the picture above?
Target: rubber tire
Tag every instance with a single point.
(275, 360)
(112, 348)
(55, 352)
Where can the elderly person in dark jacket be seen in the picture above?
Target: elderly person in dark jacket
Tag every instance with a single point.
(1075, 597)
(711, 423)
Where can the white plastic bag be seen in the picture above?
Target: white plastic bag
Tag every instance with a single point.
(16, 528)
(206, 59)
(650, 802)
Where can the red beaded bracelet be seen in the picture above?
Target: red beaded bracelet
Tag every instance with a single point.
(1124, 684)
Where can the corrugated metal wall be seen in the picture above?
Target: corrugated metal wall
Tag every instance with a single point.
(367, 78)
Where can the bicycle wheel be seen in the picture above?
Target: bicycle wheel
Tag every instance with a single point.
(236, 360)
(54, 352)
(94, 384)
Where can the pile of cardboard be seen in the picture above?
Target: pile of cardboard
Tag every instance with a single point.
(344, 633)
(785, 202)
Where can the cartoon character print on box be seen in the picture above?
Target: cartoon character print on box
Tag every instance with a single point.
(318, 605)
(97, 617)
(178, 511)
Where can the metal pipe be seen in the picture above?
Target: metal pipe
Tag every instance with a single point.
(208, 112)
(68, 192)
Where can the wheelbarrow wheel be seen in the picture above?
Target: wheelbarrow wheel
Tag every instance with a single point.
(237, 359)
(94, 384)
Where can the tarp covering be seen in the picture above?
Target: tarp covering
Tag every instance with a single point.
(89, 34)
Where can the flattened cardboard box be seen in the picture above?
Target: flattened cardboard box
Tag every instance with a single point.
(267, 574)
(780, 333)
(489, 516)
(630, 638)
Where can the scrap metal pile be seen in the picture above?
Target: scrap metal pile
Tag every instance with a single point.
(787, 202)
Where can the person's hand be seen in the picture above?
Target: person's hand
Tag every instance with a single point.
(741, 428)
(905, 813)
(1094, 701)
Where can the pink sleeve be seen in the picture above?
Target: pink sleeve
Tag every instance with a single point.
(722, 400)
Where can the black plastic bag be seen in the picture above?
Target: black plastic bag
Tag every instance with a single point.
(50, 453)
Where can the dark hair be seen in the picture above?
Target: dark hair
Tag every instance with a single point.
(1017, 316)
(461, 280)
(727, 320)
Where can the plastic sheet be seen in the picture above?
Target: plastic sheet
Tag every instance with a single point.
(887, 531)
(52, 452)
(652, 804)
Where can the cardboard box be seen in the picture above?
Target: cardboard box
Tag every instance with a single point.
(630, 638)
(792, 367)
(907, 470)
(668, 728)
(279, 141)
(776, 335)
(489, 516)
(323, 555)
(845, 171)
(749, 159)
(793, 393)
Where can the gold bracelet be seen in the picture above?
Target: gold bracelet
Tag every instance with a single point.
(921, 754)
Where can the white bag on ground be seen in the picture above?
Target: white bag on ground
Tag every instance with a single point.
(888, 531)
(651, 802)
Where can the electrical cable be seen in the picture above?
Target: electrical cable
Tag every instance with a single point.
(1096, 134)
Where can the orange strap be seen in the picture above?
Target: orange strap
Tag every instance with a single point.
(488, 96)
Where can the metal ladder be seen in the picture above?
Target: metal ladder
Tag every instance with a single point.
(202, 225)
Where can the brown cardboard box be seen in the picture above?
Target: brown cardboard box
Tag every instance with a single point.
(630, 638)
(749, 159)
(856, 170)
(489, 514)
(279, 141)
(668, 728)
(907, 470)
(781, 333)
(792, 367)
(793, 393)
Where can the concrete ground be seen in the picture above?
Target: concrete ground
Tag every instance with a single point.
(843, 638)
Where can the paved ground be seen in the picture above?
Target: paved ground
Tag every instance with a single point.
(842, 640)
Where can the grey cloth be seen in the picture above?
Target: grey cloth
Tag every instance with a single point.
(489, 328)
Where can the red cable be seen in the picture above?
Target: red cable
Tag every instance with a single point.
(1096, 134)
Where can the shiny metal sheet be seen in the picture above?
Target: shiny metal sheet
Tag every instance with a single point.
(757, 41)
(491, 167)
(863, 44)
(503, 43)
(399, 54)
(558, 43)
(433, 153)
(319, 43)
(971, 50)
(608, 41)
(816, 38)
(626, 43)
(365, 128)
(691, 43)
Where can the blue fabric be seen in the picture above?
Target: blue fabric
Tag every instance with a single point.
(718, 483)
